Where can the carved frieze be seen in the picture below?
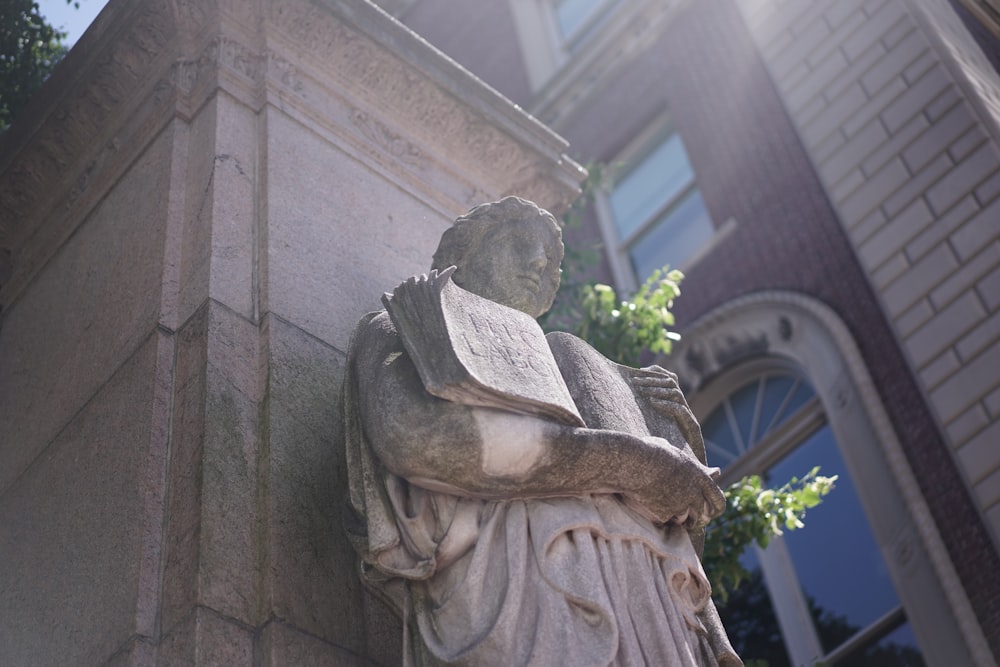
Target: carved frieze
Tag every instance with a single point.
(392, 143)
(703, 359)
(63, 140)
(431, 113)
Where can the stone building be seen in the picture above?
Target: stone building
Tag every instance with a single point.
(826, 173)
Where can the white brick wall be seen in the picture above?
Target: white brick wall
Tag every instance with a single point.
(899, 112)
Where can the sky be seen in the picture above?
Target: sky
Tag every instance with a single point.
(64, 17)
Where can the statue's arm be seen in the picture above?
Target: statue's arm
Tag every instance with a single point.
(489, 453)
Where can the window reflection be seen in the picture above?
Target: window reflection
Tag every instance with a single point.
(749, 618)
(659, 214)
(750, 413)
(897, 649)
(838, 563)
(674, 238)
(571, 15)
(657, 179)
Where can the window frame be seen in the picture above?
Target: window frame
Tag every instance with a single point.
(987, 12)
(641, 146)
(799, 632)
(802, 331)
(542, 44)
(568, 44)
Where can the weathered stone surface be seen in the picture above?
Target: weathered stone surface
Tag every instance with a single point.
(138, 652)
(317, 278)
(71, 529)
(183, 524)
(203, 168)
(229, 567)
(284, 646)
(312, 580)
(206, 639)
(87, 313)
(384, 632)
(234, 205)
(213, 538)
(195, 175)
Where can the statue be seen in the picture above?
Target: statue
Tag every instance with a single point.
(521, 499)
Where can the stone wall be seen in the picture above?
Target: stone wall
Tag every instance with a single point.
(194, 212)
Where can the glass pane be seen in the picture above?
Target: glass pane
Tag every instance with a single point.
(572, 14)
(720, 446)
(775, 391)
(675, 238)
(657, 179)
(743, 402)
(897, 649)
(836, 558)
(801, 396)
(750, 621)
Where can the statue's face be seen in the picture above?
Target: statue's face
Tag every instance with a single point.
(517, 264)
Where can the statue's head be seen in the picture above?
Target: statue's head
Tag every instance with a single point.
(508, 251)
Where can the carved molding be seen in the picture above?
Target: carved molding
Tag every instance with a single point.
(434, 116)
(701, 360)
(390, 142)
(61, 141)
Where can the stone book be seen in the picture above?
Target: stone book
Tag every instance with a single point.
(473, 351)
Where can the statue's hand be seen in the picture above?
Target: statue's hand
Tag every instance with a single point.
(659, 387)
(686, 493)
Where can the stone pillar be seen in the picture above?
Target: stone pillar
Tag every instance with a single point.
(194, 212)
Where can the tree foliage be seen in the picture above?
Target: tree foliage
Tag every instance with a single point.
(755, 514)
(29, 50)
(627, 329)
(623, 329)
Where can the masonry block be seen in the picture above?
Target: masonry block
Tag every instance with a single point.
(284, 646)
(962, 389)
(963, 178)
(316, 280)
(57, 344)
(71, 529)
(919, 279)
(980, 454)
(946, 327)
(312, 569)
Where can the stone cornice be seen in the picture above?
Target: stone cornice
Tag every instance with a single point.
(443, 106)
(69, 135)
(346, 65)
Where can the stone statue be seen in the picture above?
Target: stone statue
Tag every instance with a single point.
(521, 499)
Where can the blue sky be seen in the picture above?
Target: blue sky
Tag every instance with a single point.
(65, 17)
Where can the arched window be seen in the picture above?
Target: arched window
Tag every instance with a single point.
(779, 386)
(828, 591)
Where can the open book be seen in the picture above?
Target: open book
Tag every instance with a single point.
(474, 351)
